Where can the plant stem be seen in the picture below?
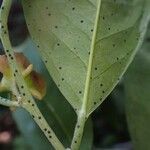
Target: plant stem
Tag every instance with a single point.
(42, 123)
(76, 141)
(26, 99)
(8, 103)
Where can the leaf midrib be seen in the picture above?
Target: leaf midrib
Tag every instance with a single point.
(89, 69)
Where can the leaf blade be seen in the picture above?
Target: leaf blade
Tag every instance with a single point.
(66, 34)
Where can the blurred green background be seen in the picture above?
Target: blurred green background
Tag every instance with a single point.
(106, 129)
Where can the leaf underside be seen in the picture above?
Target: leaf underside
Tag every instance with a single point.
(63, 31)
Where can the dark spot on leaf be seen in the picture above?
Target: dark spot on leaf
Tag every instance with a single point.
(101, 84)
(114, 45)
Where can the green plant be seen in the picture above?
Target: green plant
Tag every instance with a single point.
(86, 47)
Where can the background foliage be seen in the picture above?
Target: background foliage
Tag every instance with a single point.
(107, 127)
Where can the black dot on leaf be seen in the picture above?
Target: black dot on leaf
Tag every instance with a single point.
(114, 45)
(101, 84)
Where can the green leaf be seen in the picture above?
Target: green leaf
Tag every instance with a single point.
(86, 45)
(20, 144)
(137, 87)
(55, 109)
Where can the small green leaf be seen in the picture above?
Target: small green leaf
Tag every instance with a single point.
(86, 45)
